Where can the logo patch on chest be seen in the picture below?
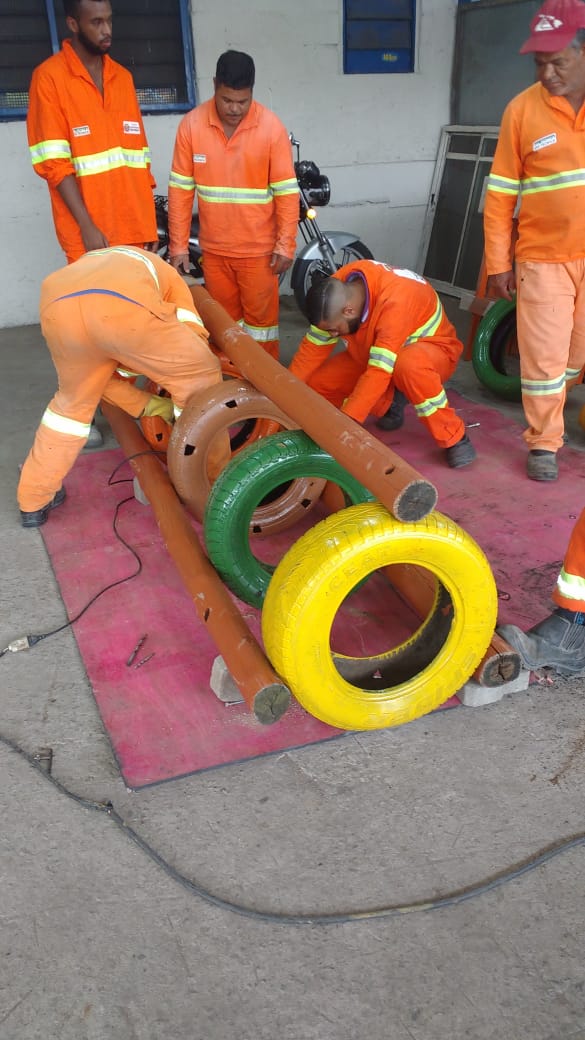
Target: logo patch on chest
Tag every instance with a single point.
(129, 126)
(81, 131)
(544, 142)
(198, 157)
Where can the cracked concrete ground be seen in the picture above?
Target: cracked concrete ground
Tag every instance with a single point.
(98, 943)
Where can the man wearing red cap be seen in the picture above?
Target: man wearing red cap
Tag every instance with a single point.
(540, 163)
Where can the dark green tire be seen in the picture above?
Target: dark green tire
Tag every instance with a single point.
(487, 367)
(251, 476)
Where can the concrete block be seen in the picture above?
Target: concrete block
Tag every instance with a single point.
(222, 683)
(139, 493)
(472, 695)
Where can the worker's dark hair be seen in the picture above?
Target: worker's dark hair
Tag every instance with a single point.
(319, 300)
(579, 40)
(71, 8)
(235, 70)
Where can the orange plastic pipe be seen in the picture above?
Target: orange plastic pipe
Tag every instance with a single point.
(260, 686)
(404, 492)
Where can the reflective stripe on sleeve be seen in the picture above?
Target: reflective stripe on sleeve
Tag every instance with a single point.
(319, 338)
(382, 358)
(503, 185)
(176, 180)
(44, 151)
(185, 315)
(288, 187)
(571, 586)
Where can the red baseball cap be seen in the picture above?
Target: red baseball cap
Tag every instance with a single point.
(554, 26)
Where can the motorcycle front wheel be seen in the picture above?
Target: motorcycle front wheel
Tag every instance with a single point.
(306, 273)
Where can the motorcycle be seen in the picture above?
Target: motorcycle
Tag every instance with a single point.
(323, 253)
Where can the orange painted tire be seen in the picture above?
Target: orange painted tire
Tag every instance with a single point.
(213, 411)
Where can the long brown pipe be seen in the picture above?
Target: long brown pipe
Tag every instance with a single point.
(404, 492)
(262, 689)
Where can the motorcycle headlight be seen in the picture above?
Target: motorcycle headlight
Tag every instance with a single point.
(314, 183)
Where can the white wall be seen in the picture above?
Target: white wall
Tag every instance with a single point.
(374, 136)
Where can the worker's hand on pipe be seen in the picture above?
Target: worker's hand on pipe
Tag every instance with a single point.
(180, 262)
(162, 406)
(502, 286)
(279, 263)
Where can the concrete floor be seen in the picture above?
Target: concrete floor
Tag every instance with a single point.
(98, 943)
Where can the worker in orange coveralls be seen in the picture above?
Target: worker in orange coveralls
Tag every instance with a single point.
(540, 160)
(236, 154)
(87, 141)
(559, 640)
(396, 339)
(114, 306)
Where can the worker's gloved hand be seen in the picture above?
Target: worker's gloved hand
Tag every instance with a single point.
(162, 406)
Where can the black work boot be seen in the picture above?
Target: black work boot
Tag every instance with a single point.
(542, 465)
(556, 642)
(460, 454)
(394, 417)
(39, 516)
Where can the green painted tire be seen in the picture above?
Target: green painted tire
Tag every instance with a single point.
(482, 356)
(250, 477)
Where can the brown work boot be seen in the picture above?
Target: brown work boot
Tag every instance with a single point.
(542, 465)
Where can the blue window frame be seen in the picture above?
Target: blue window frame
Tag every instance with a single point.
(152, 38)
(379, 36)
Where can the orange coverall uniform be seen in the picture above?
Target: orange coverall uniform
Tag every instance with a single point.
(404, 341)
(114, 306)
(72, 129)
(540, 158)
(248, 202)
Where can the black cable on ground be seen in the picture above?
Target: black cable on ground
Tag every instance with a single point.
(460, 895)
(453, 898)
(28, 641)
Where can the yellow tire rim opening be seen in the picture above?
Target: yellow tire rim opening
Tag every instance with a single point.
(316, 578)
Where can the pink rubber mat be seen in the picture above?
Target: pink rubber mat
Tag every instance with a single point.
(162, 719)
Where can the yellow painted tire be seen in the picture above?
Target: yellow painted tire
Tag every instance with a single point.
(324, 566)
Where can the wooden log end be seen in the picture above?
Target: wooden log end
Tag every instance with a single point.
(271, 702)
(415, 501)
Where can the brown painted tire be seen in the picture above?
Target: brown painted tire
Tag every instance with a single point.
(212, 411)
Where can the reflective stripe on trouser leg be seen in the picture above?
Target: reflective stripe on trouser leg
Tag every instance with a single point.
(83, 372)
(47, 464)
(420, 371)
(570, 586)
(248, 289)
(550, 297)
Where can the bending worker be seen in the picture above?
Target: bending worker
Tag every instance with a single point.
(396, 338)
(539, 159)
(559, 640)
(237, 155)
(113, 306)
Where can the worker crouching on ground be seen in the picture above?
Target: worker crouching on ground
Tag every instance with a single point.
(398, 346)
(558, 641)
(113, 307)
